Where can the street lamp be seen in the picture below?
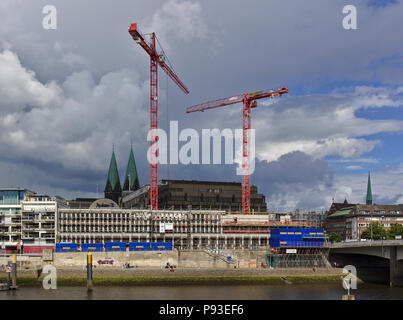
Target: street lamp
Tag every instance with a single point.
(372, 220)
(382, 233)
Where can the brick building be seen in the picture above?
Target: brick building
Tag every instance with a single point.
(199, 195)
(350, 220)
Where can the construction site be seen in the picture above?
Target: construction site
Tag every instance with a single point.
(212, 216)
(184, 229)
(203, 158)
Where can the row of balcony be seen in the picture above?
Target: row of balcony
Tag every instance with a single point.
(168, 219)
(43, 236)
(38, 229)
(148, 227)
(38, 211)
(37, 220)
(139, 222)
(9, 233)
(3, 223)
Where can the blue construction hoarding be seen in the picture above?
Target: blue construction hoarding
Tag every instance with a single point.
(161, 245)
(66, 247)
(297, 237)
(86, 247)
(115, 246)
(139, 246)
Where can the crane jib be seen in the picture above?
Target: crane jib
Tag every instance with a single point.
(236, 99)
(159, 58)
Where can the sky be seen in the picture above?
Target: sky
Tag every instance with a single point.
(70, 95)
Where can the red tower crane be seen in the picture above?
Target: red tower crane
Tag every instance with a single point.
(156, 59)
(249, 102)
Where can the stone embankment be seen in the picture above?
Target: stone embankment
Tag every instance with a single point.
(189, 272)
(158, 259)
(128, 277)
(190, 267)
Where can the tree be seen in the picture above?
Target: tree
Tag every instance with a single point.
(334, 237)
(377, 232)
(395, 230)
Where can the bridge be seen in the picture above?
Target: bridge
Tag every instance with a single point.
(380, 260)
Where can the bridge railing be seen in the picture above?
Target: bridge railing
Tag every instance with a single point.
(368, 243)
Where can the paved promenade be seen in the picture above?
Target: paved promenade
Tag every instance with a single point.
(205, 272)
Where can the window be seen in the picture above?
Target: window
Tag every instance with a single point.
(9, 197)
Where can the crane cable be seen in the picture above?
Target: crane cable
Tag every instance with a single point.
(165, 55)
(167, 120)
(167, 96)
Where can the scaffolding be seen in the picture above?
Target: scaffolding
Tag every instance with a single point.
(302, 257)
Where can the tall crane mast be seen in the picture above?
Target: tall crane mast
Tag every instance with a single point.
(249, 102)
(156, 59)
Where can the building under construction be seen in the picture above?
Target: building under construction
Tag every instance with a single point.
(192, 214)
(190, 229)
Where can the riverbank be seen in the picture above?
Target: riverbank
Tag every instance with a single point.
(132, 277)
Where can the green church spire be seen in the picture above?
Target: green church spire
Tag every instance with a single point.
(131, 177)
(113, 189)
(113, 174)
(369, 190)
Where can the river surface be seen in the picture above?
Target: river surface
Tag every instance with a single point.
(332, 291)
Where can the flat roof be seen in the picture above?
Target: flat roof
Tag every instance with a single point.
(17, 189)
(85, 199)
(201, 182)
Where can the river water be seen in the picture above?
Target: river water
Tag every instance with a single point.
(332, 291)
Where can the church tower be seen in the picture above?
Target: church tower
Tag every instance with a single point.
(369, 191)
(113, 190)
(131, 177)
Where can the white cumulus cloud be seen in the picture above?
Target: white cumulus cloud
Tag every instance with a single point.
(73, 124)
(179, 18)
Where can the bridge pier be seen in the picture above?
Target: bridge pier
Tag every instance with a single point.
(395, 275)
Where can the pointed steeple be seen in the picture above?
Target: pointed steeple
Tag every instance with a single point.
(369, 190)
(113, 190)
(131, 177)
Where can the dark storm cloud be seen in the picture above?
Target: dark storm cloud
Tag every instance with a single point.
(295, 178)
(386, 199)
(295, 168)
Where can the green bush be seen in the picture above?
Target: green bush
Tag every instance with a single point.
(335, 237)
